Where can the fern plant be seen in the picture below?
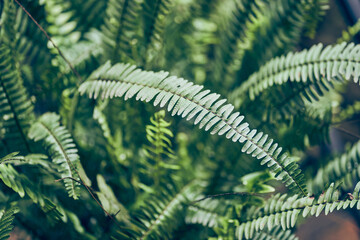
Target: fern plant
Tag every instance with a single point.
(85, 154)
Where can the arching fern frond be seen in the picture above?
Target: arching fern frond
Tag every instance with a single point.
(188, 100)
(284, 211)
(154, 13)
(61, 147)
(311, 65)
(6, 220)
(344, 169)
(120, 28)
(16, 110)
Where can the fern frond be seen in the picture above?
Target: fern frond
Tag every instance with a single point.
(120, 28)
(61, 147)
(315, 66)
(16, 110)
(154, 13)
(158, 135)
(242, 14)
(186, 99)
(163, 213)
(284, 211)
(344, 169)
(280, 29)
(6, 220)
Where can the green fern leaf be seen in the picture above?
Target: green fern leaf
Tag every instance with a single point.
(120, 28)
(6, 220)
(61, 147)
(343, 169)
(284, 211)
(186, 99)
(227, 52)
(22, 185)
(16, 110)
(316, 67)
(279, 29)
(154, 13)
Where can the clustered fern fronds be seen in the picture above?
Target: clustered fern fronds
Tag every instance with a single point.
(163, 213)
(317, 66)
(343, 170)
(159, 180)
(284, 211)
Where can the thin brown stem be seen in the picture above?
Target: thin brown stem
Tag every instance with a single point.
(347, 132)
(52, 42)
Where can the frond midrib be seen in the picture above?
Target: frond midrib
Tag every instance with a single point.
(254, 80)
(69, 163)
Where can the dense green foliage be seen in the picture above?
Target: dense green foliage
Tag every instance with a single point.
(85, 154)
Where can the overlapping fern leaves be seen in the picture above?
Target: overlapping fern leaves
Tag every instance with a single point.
(316, 68)
(243, 13)
(280, 27)
(284, 211)
(154, 13)
(61, 147)
(186, 99)
(343, 169)
(163, 213)
(120, 28)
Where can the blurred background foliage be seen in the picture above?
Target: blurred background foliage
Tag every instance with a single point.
(102, 169)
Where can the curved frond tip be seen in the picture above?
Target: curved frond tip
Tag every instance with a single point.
(310, 65)
(190, 101)
(61, 148)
